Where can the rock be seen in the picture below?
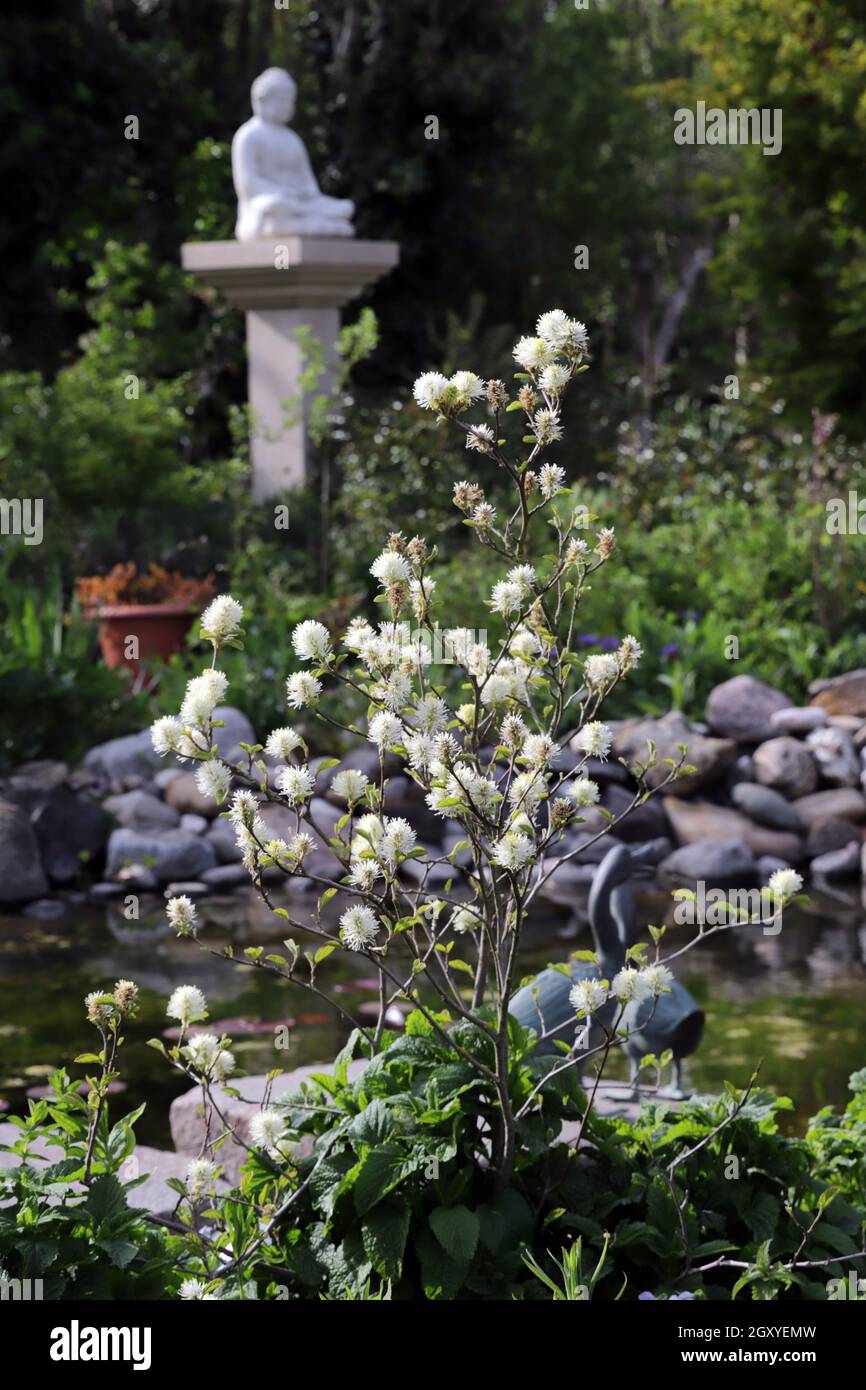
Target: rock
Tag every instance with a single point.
(698, 821)
(32, 783)
(103, 892)
(171, 854)
(742, 771)
(45, 909)
(405, 798)
(741, 708)
(193, 824)
(709, 756)
(835, 756)
(141, 810)
(22, 877)
(717, 863)
(131, 756)
(184, 796)
(848, 723)
(154, 1194)
(433, 875)
(137, 878)
(568, 883)
(767, 865)
(165, 777)
(785, 764)
(225, 876)
(831, 834)
(190, 888)
(798, 719)
(71, 831)
(839, 863)
(187, 1123)
(841, 694)
(766, 806)
(222, 836)
(843, 802)
(589, 849)
(646, 822)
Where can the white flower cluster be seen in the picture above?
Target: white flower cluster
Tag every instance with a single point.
(629, 986)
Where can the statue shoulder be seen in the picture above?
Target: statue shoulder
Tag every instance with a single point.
(245, 135)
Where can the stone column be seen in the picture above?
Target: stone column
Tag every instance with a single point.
(282, 284)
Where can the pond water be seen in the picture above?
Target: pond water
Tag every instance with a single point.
(796, 1000)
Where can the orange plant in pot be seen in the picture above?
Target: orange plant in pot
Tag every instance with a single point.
(142, 615)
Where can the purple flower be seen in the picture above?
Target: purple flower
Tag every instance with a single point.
(609, 644)
(587, 639)
(674, 1297)
(670, 649)
(691, 615)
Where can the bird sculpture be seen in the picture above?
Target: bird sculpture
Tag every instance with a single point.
(672, 1021)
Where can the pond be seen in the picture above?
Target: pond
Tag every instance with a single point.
(796, 1000)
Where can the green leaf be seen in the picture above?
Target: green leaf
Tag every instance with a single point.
(378, 1172)
(384, 1234)
(456, 1229)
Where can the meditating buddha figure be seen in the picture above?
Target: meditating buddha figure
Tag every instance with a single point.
(276, 187)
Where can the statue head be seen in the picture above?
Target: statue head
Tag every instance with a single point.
(273, 96)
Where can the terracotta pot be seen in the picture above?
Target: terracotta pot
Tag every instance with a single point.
(160, 629)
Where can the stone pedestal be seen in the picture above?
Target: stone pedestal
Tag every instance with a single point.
(280, 285)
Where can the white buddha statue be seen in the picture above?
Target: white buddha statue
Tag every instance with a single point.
(276, 187)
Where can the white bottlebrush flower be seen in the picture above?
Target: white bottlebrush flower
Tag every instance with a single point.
(398, 841)
(312, 641)
(358, 927)
(390, 568)
(550, 480)
(363, 874)
(506, 597)
(282, 743)
(244, 809)
(299, 847)
(385, 730)
(600, 671)
(203, 694)
(539, 750)
(481, 438)
(214, 779)
(554, 378)
(657, 979)
(595, 739)
(296, 784)
(554, 327)
(358, 632)
(165, 734)
(467, 385)
(267, 1129)
(302, 689)
(784, 884)
(210, 1057)
(465, 919)
(629, 654)
(349, 784)
(583, 792)
(513, 851)
(200, 1178)
(547, 428)
(527, 791)
(576, 553)
(221, 620)
(420, 751)
(187, 1004)
(429, 389)
(421, 595)
(524, 577)
(512, 731)
(606, 541)
(483, 516)
(524, 644)
(192, 1290)
(629, 986)
(430, 714)
(478, 660)
(182, 915)
(496, 689)
(369, 834)
(533, 354)
(587, 996)
(394, 691)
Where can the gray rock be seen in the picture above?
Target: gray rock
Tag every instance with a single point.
(103, 892)
(768, 864)
(786, 765)
(131, 756)
(30, 784)
(710, 757)
(22, 877)
(798, 719)
(742, 771)
(222, 836)
(839, 863)
(183, 796)
(842, 801)
(841, 694)
(696, 821)
(717, 863)
(225, 876)
(165, 777)
(194, 825)
(405, 798)
(836, 757)
(171, 854)
(45, 909)
(568, 883)
(71, 831)
(190, 888)
(766, 806)
(647, 821)
(741, 709)
(831, 834)
(141, 810)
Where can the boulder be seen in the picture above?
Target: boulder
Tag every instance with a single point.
(648, 821)
(32, 783)
(187, 1121)
(698, 821)
(842, 801)
(193, 824)
(405, 798)
(222, 836)
(798, 719)
(831, 834)
(766, 806)
(718, 863)
(842, 694)
(71, 831)
(170, 854)
(786, 765)
(22, 877)
(225, 876)
(184, 797)
(710, 757)
(140, 810)
(741, 708)
(117, 760)
(839, 863)
(835, 756)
